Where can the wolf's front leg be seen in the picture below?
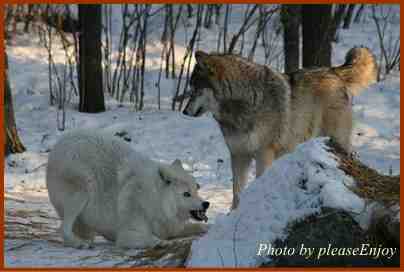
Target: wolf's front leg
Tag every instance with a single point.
(239, 165)
(263, 160)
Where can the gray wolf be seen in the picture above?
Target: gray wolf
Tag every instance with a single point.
(264, 114)
(99, 184)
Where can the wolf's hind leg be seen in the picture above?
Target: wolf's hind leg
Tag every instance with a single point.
(239, 165)
(338, 125)
(83, 231)
(73, 206)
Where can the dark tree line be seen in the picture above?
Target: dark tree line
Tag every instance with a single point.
(13, 143)
(290, 17)
(308, 33)
(319, 26)
(317, 34)
(90, 68)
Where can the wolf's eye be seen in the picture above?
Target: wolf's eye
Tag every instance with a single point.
(187, 194)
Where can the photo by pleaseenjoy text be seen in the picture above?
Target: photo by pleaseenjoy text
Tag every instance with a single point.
(266, 249)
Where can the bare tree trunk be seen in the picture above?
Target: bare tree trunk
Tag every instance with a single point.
(90, 72)
(107, 25)
(208, 16)
(49, 48)
(28, 17)
(290, 16)
(187, 61)
(218, 13)
(143, 52)
(225, 26)
(190, 10)
(337, 19)
(348, 16)
(317, 28)
(389, 44)
(243, 28)
(359, 13)
(13, 142)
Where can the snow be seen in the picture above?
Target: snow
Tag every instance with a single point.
(376, 135)
(165, 135)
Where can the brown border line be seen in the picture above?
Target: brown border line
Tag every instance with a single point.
(2, 138)
(401, 150)
(285, 269)
(199, 1)
(2, 134)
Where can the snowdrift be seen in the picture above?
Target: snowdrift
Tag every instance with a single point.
(296, 186)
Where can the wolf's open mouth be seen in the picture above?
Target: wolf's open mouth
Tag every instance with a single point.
(199, 215)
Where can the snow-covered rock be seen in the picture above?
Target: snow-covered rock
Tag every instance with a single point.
(297, 185)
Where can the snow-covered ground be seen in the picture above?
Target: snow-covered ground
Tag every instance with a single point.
(162, 135)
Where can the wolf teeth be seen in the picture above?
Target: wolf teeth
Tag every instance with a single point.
(203, 216)
(200, 215)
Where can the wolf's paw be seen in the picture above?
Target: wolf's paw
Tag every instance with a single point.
(163, 244)
(77, 243)
(205, 228)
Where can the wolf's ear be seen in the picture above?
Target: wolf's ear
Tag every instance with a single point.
(177, 164)
(200, 56)
(202, 59)
(210, 64)
(165, 174)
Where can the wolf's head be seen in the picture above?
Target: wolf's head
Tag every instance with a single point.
(180, 193)
(202, 99)
(232, 87)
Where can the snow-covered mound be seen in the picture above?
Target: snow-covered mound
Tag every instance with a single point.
(297, 185)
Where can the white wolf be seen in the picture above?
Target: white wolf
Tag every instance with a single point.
(99, 184)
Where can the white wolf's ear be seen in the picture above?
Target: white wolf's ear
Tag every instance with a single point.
(177, 164)
(165, 174)
(200, 56)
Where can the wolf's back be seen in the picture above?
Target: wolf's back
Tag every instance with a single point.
(359, 70)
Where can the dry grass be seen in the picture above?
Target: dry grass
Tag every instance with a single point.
(177, 250)
(370, 184)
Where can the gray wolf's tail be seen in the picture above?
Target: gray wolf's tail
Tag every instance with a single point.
(359, 69)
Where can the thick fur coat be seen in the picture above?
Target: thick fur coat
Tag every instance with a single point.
(264, 114)
(99, 185)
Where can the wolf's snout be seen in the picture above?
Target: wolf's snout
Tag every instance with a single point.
(200, 214)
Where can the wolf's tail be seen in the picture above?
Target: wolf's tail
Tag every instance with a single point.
(359, 69)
